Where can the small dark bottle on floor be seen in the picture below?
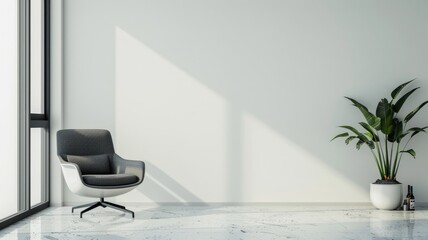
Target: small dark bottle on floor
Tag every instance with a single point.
(405, 205)
(411, 200)
(408, 197)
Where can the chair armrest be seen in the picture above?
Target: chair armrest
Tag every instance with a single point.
(69, 166)
(120, 165)
(71, 172)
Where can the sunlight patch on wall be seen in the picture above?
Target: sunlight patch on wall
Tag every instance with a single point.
(200, 148)
(166, 117)
(277, 168)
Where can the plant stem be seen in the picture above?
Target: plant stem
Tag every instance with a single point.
(394, 169)
(377, 163)
(390, 160)
(387, 157)
(396, 155)
(383, 157)
(380, 159)
(401, 155)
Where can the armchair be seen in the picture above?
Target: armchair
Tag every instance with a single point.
(91, 168)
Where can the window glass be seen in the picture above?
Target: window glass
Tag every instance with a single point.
(36, 56)
(9, 107)
(36, 165)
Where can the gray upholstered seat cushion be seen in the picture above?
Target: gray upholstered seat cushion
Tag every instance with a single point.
(110, 179)
(91, 164)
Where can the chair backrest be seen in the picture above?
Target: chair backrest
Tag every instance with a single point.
(84, 142)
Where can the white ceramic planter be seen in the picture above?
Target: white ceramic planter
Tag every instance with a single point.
(386, 196)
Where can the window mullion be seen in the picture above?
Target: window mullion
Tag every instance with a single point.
(24, 106)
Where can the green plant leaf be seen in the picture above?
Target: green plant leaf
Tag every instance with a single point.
(345, 134)
(417, 130)
(358, 145)
(411, 152)
(397, 90)
(401, 137)
(397, 106)
(368, 134)
(349, 139)
(371, 119)
(373, 136)
(385, 113)
(413, 129)
(360, 136)
(398, 130)
(413, 113)
(371, 144)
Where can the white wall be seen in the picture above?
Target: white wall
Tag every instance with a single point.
(236, 101)
(56, 32)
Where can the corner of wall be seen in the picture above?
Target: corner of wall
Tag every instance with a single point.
(56, 180)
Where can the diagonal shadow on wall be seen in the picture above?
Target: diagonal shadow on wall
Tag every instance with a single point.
(159, 186)
(273, 63)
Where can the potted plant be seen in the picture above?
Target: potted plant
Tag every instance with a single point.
(387, 135)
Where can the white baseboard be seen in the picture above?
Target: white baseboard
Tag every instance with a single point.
(227, 204)
(221, 204)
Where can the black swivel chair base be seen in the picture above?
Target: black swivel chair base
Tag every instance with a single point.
(103, 204)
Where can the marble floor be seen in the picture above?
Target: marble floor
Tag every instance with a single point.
(232, 222)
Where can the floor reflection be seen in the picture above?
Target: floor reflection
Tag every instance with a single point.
(399, 224)
(224, 222)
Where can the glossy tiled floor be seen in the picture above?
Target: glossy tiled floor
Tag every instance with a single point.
(270, 222)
